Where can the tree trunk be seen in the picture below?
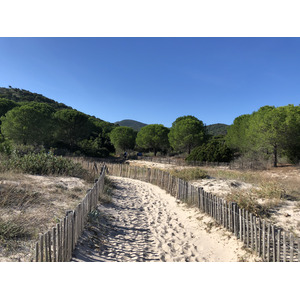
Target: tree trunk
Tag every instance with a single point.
(275, 156)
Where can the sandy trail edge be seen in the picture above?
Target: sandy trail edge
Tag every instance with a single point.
(144, 223)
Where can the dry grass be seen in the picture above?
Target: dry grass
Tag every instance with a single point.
(189, 174)
(32, 204)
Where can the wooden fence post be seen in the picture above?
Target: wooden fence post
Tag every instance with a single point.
(284, 246)
(274, 244)
(259, 237)
(268, 242)
(298, 249)
(247, 229)
(42, 246)
(54, 243)
(46, 247)
(240, 227)
(36, 251)
(264, 239)
(65, 235)
(278, 244)
(58, 228)
(291, 247)
(255, 233)
(49, 245)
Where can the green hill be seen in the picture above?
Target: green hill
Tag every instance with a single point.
(131, 123)
(20, 95)
(217, 129)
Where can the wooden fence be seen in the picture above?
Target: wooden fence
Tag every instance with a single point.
(57, 244)
(270, 242)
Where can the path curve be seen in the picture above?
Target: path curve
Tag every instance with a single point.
(144, 223)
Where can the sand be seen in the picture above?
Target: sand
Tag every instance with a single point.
(143, 223)
(286, 214)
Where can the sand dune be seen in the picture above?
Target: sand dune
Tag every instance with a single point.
(144, 223)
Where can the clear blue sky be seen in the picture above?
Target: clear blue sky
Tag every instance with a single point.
(156, 80)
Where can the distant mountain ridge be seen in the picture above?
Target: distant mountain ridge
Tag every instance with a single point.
(213, 129)
(217, 129)
(132, 124)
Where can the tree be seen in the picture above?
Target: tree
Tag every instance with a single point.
(186, 133)
(153, 137)
(269, 131)
(237, 134)
(6, 105)
(123, 138)
(28, 124)
(292, 134)
(72, 126)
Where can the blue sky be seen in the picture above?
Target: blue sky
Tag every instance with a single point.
(156, 80)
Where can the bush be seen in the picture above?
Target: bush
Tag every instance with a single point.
(214, 150)
(42, 164)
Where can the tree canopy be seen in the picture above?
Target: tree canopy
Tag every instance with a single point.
(72, 126)
(237, 134)
(271, 131)
(123, 138)
(186, 133)
(28, 124)
(153, 137)
(6, 105)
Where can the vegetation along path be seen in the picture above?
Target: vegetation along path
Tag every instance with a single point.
(141, 222)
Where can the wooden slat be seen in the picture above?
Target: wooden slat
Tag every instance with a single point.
(298, 249)
(247, 228)
(64, 235)
(49, 245)
(46, 247)
(255, 235)
(251, 230)
(284, 246)
(58, 230)
(36, 251)
(268, 241)
(240, 228)
(264, 239)
(278, 244)
(259, 238)
(274, 249)
(54, 243)
(291, 247)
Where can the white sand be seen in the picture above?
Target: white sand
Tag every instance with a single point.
(285, 215)
(144, 223)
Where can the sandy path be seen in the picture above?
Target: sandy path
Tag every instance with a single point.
(144, 223)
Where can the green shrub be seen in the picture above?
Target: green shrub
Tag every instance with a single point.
(42, 164)
(214, 150)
